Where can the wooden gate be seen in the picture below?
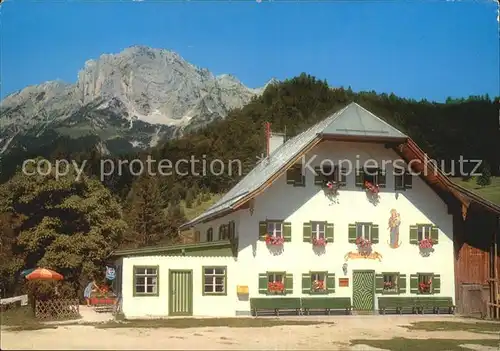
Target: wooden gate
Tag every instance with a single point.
(363, 290)
(180, 294)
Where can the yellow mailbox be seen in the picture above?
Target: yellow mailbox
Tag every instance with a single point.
(242, 289)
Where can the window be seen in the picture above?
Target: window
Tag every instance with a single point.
(390, 283)
(146, 281)
(276, 282)
(403, 181)
(275, 229)
(318, 230)
(223, 232)
(375, 176)
(424, 231)
(294, 175)
(197, 236)
(214, 281)
(363, 230)
(327, 172)
(210, 235)
(318, 282)
(425, 283)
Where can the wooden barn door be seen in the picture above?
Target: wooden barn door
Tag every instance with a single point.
(363, 290)
(180, 293)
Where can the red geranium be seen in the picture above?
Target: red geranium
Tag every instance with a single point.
(319, 242)
(275, 287)
(274, 240)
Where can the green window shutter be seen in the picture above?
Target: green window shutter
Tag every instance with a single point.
(402, 283)
(262, 230)
(435, 234)
(352, 233)
(291, 175)
(379, 283)
(343, 177)
(359, 177)
(287, 231)
(306, 283)
(413, 234)
(263, 283)
(318, 178)
(398, 182)
(307, 232)
(330, 282)
(289, 283)
(381, 178)
(436, 284)
(374, 233)
(329, 234)
(414, 283)
(408, 178)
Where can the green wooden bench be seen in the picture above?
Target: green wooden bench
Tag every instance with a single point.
(417, 304)
(435, 304)
(327, 304)
(275, 304)
(397, 304)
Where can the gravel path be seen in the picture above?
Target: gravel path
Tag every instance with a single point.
(319, 337)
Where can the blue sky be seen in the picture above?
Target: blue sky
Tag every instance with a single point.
(426, 49)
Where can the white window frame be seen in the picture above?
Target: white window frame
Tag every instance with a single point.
(210, 275)
(368, 172)
(274, 276)
(364, 230)
(318, 276)
(394, 279)
(150, 275)
(318, 230)
(423, 232)
(275, 229)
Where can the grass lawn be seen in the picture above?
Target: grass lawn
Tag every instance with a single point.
(205, 322)
(490, 192)
(402, 344)
(22, 318)
(479, 327)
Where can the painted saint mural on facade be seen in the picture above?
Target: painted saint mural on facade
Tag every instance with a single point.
(394, 223)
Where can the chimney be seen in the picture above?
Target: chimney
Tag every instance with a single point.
(274, 140)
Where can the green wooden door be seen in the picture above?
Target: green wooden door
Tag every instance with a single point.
(363, 290)
(180, 293)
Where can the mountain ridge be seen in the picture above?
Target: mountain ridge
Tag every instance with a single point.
(140, 95)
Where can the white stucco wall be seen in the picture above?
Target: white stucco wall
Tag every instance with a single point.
(303, 204)
(157, 306)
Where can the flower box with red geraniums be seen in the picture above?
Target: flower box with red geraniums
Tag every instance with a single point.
(425, 244)
(319, 242)
(364, 245)
(425, 288)
(372, 188)
(275, 288)
(318, 286)
(102, 301)
(274, 240)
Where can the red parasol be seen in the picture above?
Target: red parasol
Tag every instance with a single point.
(44, 274)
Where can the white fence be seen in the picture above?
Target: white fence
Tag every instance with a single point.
(22, 298)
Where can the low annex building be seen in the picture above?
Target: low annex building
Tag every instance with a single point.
(299, 233)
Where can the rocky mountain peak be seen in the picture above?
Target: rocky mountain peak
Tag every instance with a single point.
(155, 89)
